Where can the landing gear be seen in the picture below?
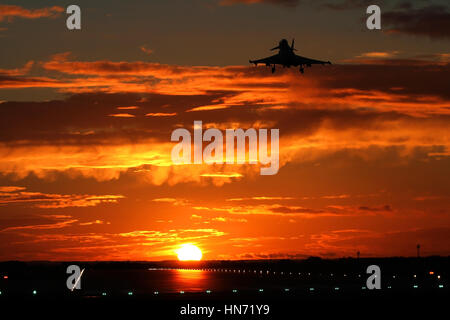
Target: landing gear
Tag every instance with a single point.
(302, 70)
(273, 69)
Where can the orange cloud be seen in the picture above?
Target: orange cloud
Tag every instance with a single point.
(10, 195)
(9, 12)
(128, 108)
(121, 115)
(349, 85)
(222, 175)
(8, 189)
(161, 114)
(290, 211)
(261, 198)
(57, 225)
(378, 54)
(146, 50)
(18, 71)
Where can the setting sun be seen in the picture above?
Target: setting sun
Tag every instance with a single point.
(189, 252)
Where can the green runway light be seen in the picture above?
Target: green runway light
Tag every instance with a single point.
(103, 293)
(235, 291)
(336, 288)
(261, 290)
(415, 286)
(287, 289)
(208, 291)
(364, 288)
(156, 292)
(311, 289)
(34, 292)
(181, 292)
(130, 293)
(440, 286)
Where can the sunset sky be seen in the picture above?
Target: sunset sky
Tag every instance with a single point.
(86, 118)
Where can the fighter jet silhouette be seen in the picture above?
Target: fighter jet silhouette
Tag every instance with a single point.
(287, 58)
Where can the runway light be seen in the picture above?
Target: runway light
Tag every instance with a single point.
(261, 290)
(130, 293)
(103, 293)
(438, 277)
(389, 287)
(5, 277)
(208, 291)
(286, 290)
(311, 289)
(415, 276)
(234, 291)
(34, 292)
(441, 286)
(336, 288)
(415, 286)
(431, 272)
(181, 292)
(364, 288)
(155, 292)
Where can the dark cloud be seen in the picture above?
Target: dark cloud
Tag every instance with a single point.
(376, 209)
(286, 3)
(84, 118)
(415, 79)
(431, 21)
(348, 4)
(285, 209)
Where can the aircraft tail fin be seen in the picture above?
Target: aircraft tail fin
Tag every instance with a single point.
(292, 45)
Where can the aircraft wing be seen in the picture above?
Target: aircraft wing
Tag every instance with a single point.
(275, 59)
(307, 61)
